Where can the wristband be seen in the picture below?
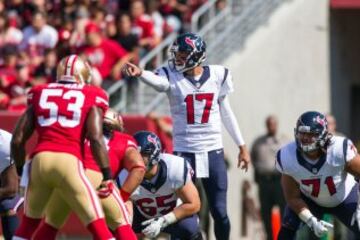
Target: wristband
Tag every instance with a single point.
(170, 218)
(124, 195)
(106, 172)
(305, 215)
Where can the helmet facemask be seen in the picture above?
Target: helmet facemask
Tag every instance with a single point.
(187, 52)
(310, 140)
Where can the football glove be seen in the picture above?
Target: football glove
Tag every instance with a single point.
(106, 188)
(320, 228)
(156, 225)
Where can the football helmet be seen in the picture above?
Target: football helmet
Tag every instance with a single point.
(188, 51)
(311, 132)
(112, 122)
(73, 69)
(149, 144)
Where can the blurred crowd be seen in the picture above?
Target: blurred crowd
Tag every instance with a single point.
(34, 34)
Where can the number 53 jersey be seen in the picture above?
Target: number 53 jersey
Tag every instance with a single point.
(60, 115)
(194, 106)
(325, 180)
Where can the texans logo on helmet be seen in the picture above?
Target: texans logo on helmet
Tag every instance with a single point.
(151, 139)
(320, 121)
(189, 42)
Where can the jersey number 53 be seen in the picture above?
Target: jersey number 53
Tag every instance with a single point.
(47, 103)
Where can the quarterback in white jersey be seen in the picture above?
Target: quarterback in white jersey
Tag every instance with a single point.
(199, 104)
(10, 201)
(318, 172)
(167, 179)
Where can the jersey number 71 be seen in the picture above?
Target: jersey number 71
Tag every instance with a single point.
(315, 183)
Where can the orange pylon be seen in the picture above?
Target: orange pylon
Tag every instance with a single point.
(275, 222)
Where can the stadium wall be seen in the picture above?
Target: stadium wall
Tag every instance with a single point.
(282, 70)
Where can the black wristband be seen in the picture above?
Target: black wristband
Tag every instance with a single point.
(106, 172)
(19, 171)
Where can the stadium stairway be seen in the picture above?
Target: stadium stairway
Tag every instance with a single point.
(225, 31)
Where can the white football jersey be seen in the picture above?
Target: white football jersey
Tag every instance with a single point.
(5, 160)
(325, 181)
(159, 198)
(194, 107)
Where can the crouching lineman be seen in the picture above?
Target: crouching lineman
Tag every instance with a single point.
(123, 153)
(167, 179)
(315, 178)
(9, 199)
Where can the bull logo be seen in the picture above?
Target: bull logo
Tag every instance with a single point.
(320, 120)
(151, 139)
(189, 42)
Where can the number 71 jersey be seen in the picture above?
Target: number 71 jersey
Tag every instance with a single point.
(194, 106)
(325, 181)
(60, 115)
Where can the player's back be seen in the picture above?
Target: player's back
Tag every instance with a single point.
(325, 180)
(60, 114)
(117, 146)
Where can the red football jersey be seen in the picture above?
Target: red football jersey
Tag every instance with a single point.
(117, 147)
(61, 111)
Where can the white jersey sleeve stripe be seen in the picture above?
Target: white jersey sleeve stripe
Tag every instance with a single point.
(101, 100)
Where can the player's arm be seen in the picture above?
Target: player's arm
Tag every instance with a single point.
(191, 201)
(160, 83)
(292, 196)
(134, 164)
(9, 182)
(229, 120)
(94, 134)
(23, 131)
(191, 204)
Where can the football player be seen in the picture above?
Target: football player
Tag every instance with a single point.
(123, 154)
(63, 114)
(318, 172)
(198, 103)
(9, 199)
(167, 179)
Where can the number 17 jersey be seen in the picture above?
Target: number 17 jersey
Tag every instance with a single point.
(194, 106)
(60, 115)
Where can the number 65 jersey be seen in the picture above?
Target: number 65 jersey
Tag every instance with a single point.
(158, 197)
(194, 106)
(325, 180)
(60, 115)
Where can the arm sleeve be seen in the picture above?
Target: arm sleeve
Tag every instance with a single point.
(159, 81)
(102, 99)
(229, 120)
(349, 150)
